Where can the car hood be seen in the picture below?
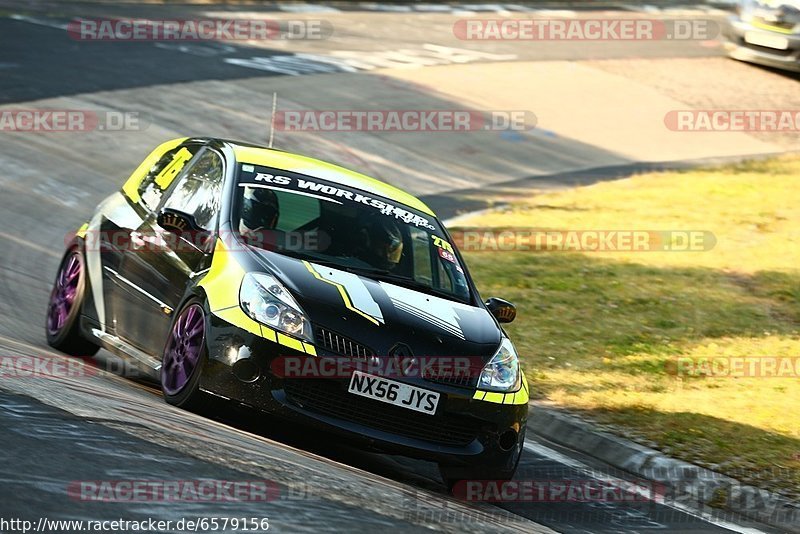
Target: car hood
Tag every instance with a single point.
(379, 315)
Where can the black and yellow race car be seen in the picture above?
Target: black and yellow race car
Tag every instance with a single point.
(233, 272)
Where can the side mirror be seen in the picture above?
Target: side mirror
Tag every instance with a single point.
(177, 221)
(185, 226)
(503, 311)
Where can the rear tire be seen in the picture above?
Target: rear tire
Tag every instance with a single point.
(62, 324)
(184, 358)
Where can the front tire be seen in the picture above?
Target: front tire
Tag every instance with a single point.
(184, 358)
(62, 324)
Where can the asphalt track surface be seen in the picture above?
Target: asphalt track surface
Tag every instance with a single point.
(110, 425)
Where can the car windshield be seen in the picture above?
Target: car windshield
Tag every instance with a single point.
(346, 228)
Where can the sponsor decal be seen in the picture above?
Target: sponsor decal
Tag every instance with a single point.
(336, 193)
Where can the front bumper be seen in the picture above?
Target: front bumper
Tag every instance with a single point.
(738, 48)
(464, 431)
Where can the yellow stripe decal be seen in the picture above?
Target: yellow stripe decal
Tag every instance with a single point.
(237, 317)
(131, 186)
(82, 230)
(290, 342)
(269, 334)
(168, 173)
(772, 28)
(493, 396)
(342, 292)
(309, 349)
(520, 396)
(221, 282)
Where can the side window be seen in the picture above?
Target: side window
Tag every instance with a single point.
(199, 190)
(161, 175)
(445, 282)
(420, 243)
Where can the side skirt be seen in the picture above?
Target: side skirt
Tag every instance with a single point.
(116, 345)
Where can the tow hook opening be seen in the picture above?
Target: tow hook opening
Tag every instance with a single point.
(246, 370)
(508, 439)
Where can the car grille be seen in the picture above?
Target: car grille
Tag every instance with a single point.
(468, 381)
(347, 347)
(342, 345)
(464, 379)
(330, 398)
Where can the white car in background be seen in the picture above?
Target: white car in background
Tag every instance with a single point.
(766, 32)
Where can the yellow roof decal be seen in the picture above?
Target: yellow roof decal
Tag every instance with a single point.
(326, 171)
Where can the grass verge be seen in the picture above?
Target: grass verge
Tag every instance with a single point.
(602, 333)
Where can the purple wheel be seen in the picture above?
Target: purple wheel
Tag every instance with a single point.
(183, 353)
(62, 299)
(63, 310)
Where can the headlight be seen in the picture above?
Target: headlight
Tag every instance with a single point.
(502, 371)
(265, 299)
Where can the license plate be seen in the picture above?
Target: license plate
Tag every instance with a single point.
(391, 392)
(767, 40)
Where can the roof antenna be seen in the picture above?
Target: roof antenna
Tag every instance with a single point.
(272, 120)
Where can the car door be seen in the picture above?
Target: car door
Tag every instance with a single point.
(162, 260)
(121, 214)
